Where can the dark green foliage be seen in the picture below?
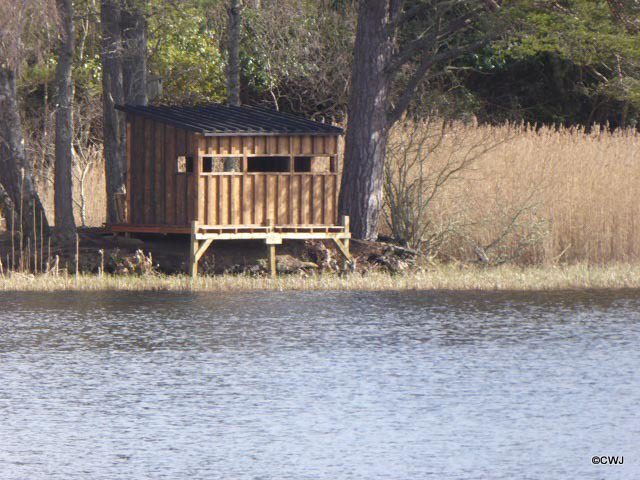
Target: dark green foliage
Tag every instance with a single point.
(575, 62)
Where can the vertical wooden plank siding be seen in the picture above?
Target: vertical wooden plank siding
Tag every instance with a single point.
(234, 200)
(181, 181)
(282, 199)
(254, 198)
(129, 170)
(148, 172)
(291, 200)
(201, 213)
(318, 145)
(306, 147)
(223, 145)
(271, 145)
(248, 193)
(157, 194)
(333, 213)
(223, 208)
(248, 145)
(283, 145)
(170, 175)
(159, 173)
(260, 146)
(137, 171)
(260, 207)
(191, 197)
(236, 145)
(306, 199)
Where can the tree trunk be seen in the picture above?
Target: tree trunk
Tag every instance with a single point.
(233, 68)
(233, 62)
(65, 223)
(375, 67)
(368, 127)
(134, 47)
(6, 209)
(113, 93)
(15, 172)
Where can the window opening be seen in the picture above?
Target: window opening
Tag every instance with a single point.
(268, 164)
(185, 164)
(207, 164)
(302, 164)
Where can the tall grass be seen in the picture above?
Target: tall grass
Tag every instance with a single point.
(94, 192)
(443, 277)
(574, 193)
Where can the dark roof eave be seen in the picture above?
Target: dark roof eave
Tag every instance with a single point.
(271, 134)
(181, 119)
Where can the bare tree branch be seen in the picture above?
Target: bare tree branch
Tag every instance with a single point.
(429, 61)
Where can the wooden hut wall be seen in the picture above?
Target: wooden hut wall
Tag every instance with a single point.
(273, 145)
(157, 193)
(253, 198)
(160, 195)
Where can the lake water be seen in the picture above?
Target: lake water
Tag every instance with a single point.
(319, 385)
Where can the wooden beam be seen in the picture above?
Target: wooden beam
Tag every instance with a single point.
(343, 248)
(345, 224)
(275, 239)
(203, 248)
(142, 228)
(193, 259)
(272, 259)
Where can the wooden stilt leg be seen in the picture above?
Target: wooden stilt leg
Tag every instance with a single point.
(342, 247)
(193, 259)
(345, 223)
(272, 260)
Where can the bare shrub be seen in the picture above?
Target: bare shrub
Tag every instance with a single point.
(429, 205)
(423, 160)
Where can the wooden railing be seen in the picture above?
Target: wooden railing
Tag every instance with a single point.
(256, 198)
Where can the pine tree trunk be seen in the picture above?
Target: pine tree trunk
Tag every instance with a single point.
(15, 171)
(233, 68)
(65, 223)
(368, 127)
(113, 93)
(233, 63)
(134, 60)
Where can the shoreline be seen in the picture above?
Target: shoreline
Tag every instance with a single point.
(455, 277)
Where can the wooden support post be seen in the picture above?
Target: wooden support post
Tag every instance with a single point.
(193, 259)
(203, 248)
(272, 259)
(344, 250)
(345, 223)
(272, 240)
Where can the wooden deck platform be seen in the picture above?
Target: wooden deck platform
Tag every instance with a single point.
(202, 236)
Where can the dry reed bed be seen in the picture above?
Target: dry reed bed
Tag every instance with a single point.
(579, 189)
(445, 277)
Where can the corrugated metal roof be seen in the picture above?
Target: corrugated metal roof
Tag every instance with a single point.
(224, 120)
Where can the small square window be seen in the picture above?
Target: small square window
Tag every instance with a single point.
(185, 164)
(302, 164)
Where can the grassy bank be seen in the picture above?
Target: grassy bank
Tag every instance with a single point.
(449, 277)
